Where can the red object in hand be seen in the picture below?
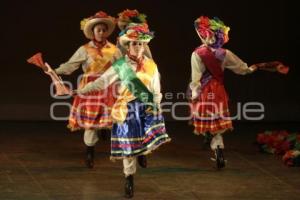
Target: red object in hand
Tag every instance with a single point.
(37, 60)
(283, 69)
(61, 89)
(274, 66)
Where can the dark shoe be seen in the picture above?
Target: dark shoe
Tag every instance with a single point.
(129, 186)
(220, 158)
(142, 160)
(89, 159)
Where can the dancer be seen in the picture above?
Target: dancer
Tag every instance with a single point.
(138, 127)
(124, 18)
(209, 99)
(92, 111)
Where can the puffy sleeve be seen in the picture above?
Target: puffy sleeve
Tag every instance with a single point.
(198, 69)
(106, 79)
(155, 87)
(235, 64)
(78, 58)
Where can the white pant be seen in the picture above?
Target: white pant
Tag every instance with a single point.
(90, 137)
(129, 166)
(216, 141)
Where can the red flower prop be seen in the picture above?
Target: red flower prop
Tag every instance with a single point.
(281, 143)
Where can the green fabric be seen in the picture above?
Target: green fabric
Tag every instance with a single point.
(132, 82)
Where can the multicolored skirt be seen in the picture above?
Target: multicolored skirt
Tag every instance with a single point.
(210, 113)
(93, 110)
(139, 134)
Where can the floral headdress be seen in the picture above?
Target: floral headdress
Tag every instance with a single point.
(132, 16)
(213, 32)
(136, 32)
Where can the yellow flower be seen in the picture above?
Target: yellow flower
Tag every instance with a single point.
(83, 23)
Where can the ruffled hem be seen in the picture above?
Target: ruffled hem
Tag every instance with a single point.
(145, 152)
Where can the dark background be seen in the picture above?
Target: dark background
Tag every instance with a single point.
(260, 31)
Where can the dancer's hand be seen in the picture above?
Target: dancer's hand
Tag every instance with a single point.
(253, 68)
(47, 69)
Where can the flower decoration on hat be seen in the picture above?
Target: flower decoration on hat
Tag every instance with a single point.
(132, 16)
(87, 24)
(136, 32)
(213, 32)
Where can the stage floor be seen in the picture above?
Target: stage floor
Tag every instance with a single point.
(42, 160)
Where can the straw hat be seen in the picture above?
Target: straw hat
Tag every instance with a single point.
(88, 24)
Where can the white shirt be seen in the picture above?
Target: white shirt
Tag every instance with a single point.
(81, 58)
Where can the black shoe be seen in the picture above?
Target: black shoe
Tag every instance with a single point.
(89, 159)
(142, 160)
(129, 186)
(220, 158)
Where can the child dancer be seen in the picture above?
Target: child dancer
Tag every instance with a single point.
(138, 125)
(92, 111)
(209, 98)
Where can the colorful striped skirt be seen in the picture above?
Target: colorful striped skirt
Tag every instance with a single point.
(139, 134)
(210, 112)
(93, 110)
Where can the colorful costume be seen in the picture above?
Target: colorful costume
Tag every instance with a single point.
(135, 131)
(138, 125)
(92, 111)
(210, 101)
